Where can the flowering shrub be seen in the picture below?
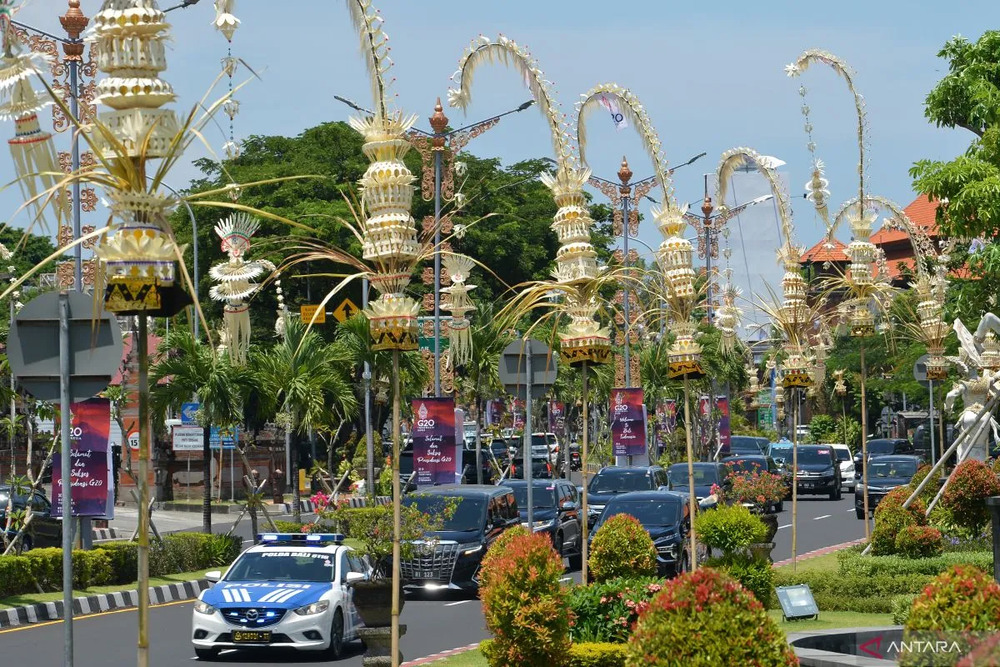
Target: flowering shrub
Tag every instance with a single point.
(759, 488)
(965, 496)
(930, 490)
(729, 529)
(919, 542)
(755, 574)
(957, 608)
(986, 654)
(525, 604)
(498, 549)
(605, 612)
(891, 518)
(706, 619)
(621, 548)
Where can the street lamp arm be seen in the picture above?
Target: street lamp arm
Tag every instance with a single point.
(184, 5)
(61, 40)
(730, 213)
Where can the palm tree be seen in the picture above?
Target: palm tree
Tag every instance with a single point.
(189, 369)
(307, 379)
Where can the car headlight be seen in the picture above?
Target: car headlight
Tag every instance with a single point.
(542, 525)
(314, 608)
(473, 550)
(204, 608)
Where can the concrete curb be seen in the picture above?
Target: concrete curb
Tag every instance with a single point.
(95, 604)
(820, 552)
(309, 506)
(441, 656)
(104, 534)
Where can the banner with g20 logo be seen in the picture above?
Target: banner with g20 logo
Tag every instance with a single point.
(434, 455)
(628, 425)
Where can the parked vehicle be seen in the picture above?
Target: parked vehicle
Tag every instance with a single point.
(575, 457)
(452, 559)
(666, 517)
(745, 444)
(847, 470)
(751, 463)
(883, 447)
(818, 471)
(615, 480)
(541, 468)
(556, 510)
(43, 531)
(781, 452)
(706, 475)
(884, 474)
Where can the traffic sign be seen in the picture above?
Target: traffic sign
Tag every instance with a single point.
(346, 310)
(188, 438)
(513, 367)
(310, 312)
(920, 370)
(225, 437)
(188, 411)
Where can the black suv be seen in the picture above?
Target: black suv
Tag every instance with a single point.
(745, 444)
(452, 556)
(706, 475)
(884, 474)
(613, 480)
(43, 531)
(666, 516)
(883, 447)
(556, 513)
(819, 471)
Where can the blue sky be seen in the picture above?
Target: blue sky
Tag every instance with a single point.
(710, 75)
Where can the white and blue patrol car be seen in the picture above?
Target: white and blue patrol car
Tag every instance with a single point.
(289, 591)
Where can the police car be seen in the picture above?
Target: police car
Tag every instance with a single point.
(289, 591)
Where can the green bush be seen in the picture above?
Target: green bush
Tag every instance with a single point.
(986, 654)
(90, 568)
(596, 655)
(869, 594)
(852, 562)
(901, 605)
(124, 558)
(971, 484)
(891, 518)
(958, 607)
(927, 495)
(729, 529)
(823, 428)
(288, 526)
(621, 549)
(524, 603)
(919, 542)
(756, 575)
(705, 619)
(605, 612)
(16, 576)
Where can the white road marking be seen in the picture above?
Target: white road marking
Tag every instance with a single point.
(787, 525)
(565, 579)
(453, 604)
(825, 516)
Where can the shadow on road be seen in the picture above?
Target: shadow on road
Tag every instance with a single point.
(264, 656)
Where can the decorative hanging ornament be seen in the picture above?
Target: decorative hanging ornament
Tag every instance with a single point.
(674, 257)
(458, 268)
(225, 21)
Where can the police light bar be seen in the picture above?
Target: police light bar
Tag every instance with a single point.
(300, 538)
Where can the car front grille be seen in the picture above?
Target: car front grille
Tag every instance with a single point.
(431, 562)
(252, 617)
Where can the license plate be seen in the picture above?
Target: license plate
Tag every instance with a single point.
(251, 636)
(427, 575)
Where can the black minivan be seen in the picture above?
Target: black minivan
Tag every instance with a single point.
(450, 557)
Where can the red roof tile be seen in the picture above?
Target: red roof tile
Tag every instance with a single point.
(921, 212)
(825, 251)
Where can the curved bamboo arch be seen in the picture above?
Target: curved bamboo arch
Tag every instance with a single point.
(844, 70)
(374, 48)
(508, 52)
(633, 110)
(736, 157)
(923, 248)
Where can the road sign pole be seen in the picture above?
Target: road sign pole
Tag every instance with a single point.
(527, 436)
(143, 536)
(66, 481)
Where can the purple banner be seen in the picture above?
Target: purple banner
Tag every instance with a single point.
(495, 410)
(722, 404)
(557, 416)
(91, 470)
(518, 415)
(628, 427)
(434, 441)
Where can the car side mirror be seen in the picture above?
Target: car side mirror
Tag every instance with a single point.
(568, 506)
(354, 578)
(213, 576)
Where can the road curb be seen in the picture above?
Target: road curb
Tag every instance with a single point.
(441, 656)
(95, 604)
(820, 552)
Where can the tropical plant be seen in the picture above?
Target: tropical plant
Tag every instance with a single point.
(606, 611)
(730, 529)
(187, 369)
(971, 484)
(756, 487)
(622, 548)
(891, 517)
(919, 542)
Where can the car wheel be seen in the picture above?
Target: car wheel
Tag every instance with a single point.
(779, 507)
(336, 648)
(557, 543)
(576, 561)
(206, 653)
(860, 513)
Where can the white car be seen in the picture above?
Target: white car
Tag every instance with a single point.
(290, 591)
(848, 475)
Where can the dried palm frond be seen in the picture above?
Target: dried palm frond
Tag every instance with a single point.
(374, 48)
(737, 157)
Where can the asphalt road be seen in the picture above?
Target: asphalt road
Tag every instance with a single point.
(821, 522)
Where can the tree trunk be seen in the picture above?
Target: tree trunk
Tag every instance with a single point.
(206, 503)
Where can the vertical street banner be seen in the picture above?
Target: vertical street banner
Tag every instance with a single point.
(722, 404)
(434, 441)
(557, 416)
(494, 411)
(517, 411)
(628, 427)
(704, 421)
(91, 474)
(666, 422)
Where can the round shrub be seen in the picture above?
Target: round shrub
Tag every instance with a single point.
(621, 549)
(499, 546)
(525, 604)
(705, 619)
(891, 518)
(755, 575)
(971, 484)
(927, 495)
(919, 542)
(958, 607)
(729, 529)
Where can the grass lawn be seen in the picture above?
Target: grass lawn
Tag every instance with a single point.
(825, 563)
(21, 600)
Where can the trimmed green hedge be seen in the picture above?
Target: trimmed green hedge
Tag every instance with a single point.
(583, 654)
(852, 562)
(90, 568)
(15, 576)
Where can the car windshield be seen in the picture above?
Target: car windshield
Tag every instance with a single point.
(283, 565)
(467, 517)
(843, 454)
(543, 497)
(621, 482)
(781, 452)
(703, 475)
(744, 444)
(892, 469)
(810, 456)
(648, 512)
(881, 447)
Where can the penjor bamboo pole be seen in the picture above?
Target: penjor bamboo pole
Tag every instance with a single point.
(795, 477)
(143, 536)
(690, 458)
(864, 442)
(585, 547)
(396, 519)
